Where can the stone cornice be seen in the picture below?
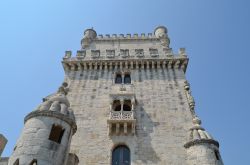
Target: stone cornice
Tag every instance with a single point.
(171, 62)
(201, 141)
(54, 114)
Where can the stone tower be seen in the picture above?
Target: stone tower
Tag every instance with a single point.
(45, 139)
(133, 104)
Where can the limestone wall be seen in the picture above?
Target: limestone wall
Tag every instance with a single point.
(204, 154)
(162, 114)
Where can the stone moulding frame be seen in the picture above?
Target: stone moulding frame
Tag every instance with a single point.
(201, 141)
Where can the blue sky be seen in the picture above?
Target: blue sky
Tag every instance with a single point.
(35, 34)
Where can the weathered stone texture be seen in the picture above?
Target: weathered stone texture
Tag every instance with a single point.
(34, 144)
(154, 126)
(162, 114)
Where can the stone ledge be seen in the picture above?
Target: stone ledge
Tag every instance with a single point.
(55, 114)
(201, 141)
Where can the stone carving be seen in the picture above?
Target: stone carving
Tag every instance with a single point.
(81, 54)
(153, 52)
(95, 53)
(139, 52)
(110, 53)
(124, 53)
(125, 115)
(190, 98)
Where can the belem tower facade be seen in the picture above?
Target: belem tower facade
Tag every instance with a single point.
(125, 100)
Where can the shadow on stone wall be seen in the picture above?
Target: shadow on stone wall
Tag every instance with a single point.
(144, 127)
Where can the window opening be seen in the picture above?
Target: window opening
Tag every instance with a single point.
(56, 133)
(118, 78)
(33, 162)
(217, 155)
(117, 105)
(127, 79)
(16, 162)
(121, 156)
(127, 105)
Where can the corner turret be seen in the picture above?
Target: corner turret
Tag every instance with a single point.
(161, 32)
(89, 36)
(201, 147)
(47, 132)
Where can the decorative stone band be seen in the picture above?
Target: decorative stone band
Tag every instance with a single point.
(201, 141)
(55, 114)
(74, 64)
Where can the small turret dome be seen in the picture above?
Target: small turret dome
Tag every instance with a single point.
(57, 102)
(90, 33)
(160, 31)
(197, 132)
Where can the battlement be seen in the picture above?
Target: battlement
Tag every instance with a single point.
(124, 53)
(126, 36)
(160, 34)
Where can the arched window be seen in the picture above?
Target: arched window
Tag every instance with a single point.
(121, 156)
(118, 78)
(127, 79)
(117, 105)
(127, 105)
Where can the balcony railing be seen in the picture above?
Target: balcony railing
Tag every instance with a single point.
(118, 115)
(121, 123)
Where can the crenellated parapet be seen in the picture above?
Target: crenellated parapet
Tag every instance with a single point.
(160, 34)
(142, 51)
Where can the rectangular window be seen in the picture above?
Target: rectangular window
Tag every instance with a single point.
(56, 133)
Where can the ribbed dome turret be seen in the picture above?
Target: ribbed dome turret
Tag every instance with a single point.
(197, 132)
(198, 135)
(56, 105)
(57, 102)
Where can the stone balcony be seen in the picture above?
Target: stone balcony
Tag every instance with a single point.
(121, 123)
